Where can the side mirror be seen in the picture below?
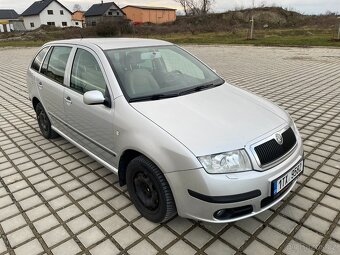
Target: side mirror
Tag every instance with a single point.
(93, 97)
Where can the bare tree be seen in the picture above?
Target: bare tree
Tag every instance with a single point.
(77, 7)
(196, 7)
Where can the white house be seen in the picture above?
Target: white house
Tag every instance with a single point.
(47, 12)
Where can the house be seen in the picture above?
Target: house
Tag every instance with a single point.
(143, 14)
(78, 19)
(103, 12)
(9, 21)
(46, 12)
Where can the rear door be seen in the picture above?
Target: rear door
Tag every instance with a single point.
(33, 73)
(51, 83)
(91, 126)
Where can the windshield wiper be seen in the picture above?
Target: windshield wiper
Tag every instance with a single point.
(153, 97)
(200, 88)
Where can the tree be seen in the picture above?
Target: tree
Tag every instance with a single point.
(77, 7)
(196, 7)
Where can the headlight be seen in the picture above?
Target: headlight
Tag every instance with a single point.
(228, 162)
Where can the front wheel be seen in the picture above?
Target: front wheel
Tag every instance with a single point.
(44, 123)
(149, 190)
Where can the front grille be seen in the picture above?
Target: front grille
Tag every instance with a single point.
(271, 150)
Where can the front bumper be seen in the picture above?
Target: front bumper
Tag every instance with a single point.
(200, 195)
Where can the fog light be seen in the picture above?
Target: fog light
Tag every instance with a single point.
(230, 213)
(219, 214)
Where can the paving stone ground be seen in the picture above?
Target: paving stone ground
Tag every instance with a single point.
(56, 200)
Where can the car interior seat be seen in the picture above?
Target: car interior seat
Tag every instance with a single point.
(138, 81)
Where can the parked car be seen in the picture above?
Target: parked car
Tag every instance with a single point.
(181, 138)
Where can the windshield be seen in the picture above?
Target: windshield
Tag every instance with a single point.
(153, 73)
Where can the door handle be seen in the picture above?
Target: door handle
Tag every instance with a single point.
(40, 85)
(68, 100)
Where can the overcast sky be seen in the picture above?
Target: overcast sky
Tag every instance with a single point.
(304, 6)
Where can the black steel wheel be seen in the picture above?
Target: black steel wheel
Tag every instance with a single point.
(149, 190)
(44, 123)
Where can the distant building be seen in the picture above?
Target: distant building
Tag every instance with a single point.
(144, 14)
(103, 12)
(9, 21)
(47, 12)
(78, 19)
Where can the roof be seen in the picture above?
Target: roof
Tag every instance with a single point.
(113, 43)
(150, 7)
(8, 14)
(37, 7)
(100, 9)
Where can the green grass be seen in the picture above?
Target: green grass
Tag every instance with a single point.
(273, 37)
(21, 43)
(302, 38)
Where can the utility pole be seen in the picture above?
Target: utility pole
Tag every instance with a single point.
(339, 29)
(252, 23)
(252, 28)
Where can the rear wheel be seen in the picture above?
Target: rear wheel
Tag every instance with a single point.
(149, 190)
(44, 123)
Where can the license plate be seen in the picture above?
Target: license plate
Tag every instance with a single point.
(283, 181)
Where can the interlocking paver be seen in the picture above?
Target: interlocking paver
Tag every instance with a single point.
(126, 236)
(33, 247)
(198, 237)
(235, 237)
(67, 248)
(258, 248)
(105, 248)
(219, 247)
(162, 237)
(54, 198)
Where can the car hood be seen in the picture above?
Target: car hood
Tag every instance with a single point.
(215, 120)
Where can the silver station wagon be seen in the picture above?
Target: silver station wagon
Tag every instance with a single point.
(182, 139)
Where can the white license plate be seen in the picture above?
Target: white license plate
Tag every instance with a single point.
(283, 181)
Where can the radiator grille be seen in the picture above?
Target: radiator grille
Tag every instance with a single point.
(272, 150)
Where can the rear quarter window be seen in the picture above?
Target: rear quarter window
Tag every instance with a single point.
(55, 63)
(38, 59)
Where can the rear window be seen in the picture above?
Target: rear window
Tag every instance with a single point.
(38, 59)
(55, 64)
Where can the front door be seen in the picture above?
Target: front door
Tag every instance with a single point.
(91, 126)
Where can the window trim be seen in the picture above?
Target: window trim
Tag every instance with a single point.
(32, 24)
(50, 12)
(61, 12)
(64, 22)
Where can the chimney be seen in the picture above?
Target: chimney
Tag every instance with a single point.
(102, 1)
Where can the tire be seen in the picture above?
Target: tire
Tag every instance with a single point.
(44, 123)
(149, 190)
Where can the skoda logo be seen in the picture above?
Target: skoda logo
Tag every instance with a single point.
(279, 139)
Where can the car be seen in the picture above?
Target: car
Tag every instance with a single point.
(181, 138)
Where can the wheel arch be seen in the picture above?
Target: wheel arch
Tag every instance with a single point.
(124, 160)
(35, 102)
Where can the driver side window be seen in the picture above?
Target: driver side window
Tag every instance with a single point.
(86, 74)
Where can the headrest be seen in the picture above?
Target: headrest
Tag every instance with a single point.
(133, 58)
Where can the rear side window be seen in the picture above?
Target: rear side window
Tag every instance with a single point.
(38, 59)
(55, 63)
(86, 73)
